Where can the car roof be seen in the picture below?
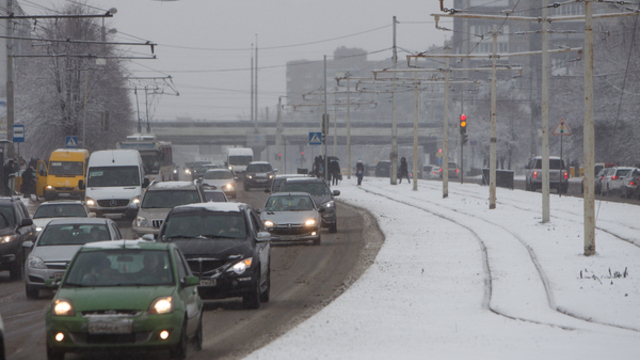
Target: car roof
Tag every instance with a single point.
(292, 193)
(137, 244)
(219, 170)
(259, 163)
(164, 185)
(64, 202)
(212, 206)
(79, 220)
(309, 179)
(293, 175)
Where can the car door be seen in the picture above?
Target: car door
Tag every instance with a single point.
(28, 232)
(263, 247)
(188, 294)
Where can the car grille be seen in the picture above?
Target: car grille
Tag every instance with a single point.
(204, 266)
(111, 313)
(113, 203)
(64, 188)
(101, 339)
(294, 229)
(156, 223)
(57, 266)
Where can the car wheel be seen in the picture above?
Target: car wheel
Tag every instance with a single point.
(180, 351)
(53, 354)
(251, 300)
(197, 337)
(15, 273)
(32, 292)
(264, 296)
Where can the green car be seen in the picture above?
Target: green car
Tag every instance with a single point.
(125, 295)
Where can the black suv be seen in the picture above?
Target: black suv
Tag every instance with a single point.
(258, 174)
(322, 195)
(226, 246)
(16, 227)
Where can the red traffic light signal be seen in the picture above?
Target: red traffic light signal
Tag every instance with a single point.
(463, 121)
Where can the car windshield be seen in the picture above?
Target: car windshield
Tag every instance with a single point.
(66, 168)
(215, 196)
(289, 203)
(240, 159)
(206, 224)
(169, 198)
(6, 216)
(313, 188)
(259, 168)
(120, 268)
(217, 175)
(73, 234)
(59, 210)
(113, 176)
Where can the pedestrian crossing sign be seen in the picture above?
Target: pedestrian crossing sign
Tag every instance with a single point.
(71, 142)
(315, 138)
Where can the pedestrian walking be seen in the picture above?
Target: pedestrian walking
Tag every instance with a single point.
(403, 171)
(334, 171)
(359, 171)
(9, 168)
(28, 183)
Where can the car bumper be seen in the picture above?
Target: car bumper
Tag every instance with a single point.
(226, 286)
(37, 277)
(265, 183)
(310, 235)
(144, 335)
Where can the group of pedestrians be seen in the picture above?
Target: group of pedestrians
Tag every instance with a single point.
(28, 177)
(335, 175)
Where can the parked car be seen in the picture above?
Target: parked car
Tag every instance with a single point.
(323, 196)
(57, 244)
(222, 179)
(161, 197)
(50, 210)
(630, 183)
(16, 227)
(292, 216)
(258, 174)
(213, 195)
(130, 294)
(558, 175)
(612, 182)
(383, 168)
(226, 246)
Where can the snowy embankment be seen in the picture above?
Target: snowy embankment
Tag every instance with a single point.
(457, 280)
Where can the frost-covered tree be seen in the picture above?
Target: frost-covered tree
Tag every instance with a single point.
(67, 86)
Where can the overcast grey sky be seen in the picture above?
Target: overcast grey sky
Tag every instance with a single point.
(205, 45)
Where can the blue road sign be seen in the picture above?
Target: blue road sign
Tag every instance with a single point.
(315, 138)
(18, 133)
(71, 142)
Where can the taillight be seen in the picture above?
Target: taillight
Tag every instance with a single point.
(440, 170)
(457, 171)
(566, 175)
(632, 183)
(535, 174)
(614, 177)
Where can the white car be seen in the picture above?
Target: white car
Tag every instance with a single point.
(221, 179)
(612, 182)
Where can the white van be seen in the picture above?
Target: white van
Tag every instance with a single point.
(115, 182)
(238, 159)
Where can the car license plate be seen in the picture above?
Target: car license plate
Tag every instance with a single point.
(288, 237)
(110, 327)
(208, 282)
(58, 275)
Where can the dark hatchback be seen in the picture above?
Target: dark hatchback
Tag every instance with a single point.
(226, 247)
(16, 227)
(321, 193)
(258, 174)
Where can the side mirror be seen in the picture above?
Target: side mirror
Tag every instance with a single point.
(148, 237)
(81, 184)
(27, 244)
(336, 192)
(263, 236)
(275, 170)
(26, 222)
(190, 281)
(267, 190)
(145, 183)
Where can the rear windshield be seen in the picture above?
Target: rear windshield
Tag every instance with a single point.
(215, 196)
(554, 164)
(60, 210)
(169, 198)
(73, 234)
(622, 172)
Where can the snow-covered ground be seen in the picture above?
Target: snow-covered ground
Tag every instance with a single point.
(456, 280)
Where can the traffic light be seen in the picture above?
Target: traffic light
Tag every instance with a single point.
(279, 156)
(463, 124)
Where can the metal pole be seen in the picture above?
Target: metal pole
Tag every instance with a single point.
(84, 117)
(256, 83)
(445, 133)
(545, 116)
(589, 138)
(415, 137)
(252, 116)
(348, 129)
(493, 137)
(279, 134)
(325, 123)
(393, 178)
(10, 84)
(335, 121)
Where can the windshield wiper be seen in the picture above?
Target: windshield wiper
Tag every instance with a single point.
(212, 236)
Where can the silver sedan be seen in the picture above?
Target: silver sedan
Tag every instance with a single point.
(292, 216)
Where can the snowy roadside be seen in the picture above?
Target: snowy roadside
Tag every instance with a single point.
(454, 279)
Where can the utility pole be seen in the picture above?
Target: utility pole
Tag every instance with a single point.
(445, 131)
(415, 136)
(325, 123)
(589, 137)
(545, 116)
(348, 128)
(10, 85)
(493, 137)
(279, 133)
(256, 83)
(393, 178)
(252, 102)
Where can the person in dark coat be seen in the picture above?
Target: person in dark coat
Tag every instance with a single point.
(28, 183)
(9, 168)
(403, 171)
(334, 171)
(359, 171)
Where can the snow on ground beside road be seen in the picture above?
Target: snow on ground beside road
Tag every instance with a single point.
(457, 280)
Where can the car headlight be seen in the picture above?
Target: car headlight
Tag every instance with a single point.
(230, 167)
(49, 187)
(161, 305)
(328, 205)
(249, 176)
(35, 262)
(136, 200)
(7, 239)
(230, 185)
(310, 222)
(63, 307)
(38, 229)
(242, 266)
(187, 171)
(270, 176)
(142, 222)
(90, 202)
(268, 223)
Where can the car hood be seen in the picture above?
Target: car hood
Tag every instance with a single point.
(321, 199)
(219, 248)
(112, 297)
(289, 217)
(154, 213)
(218, 183)
(106, 193)
(56, 253)
(9, 230)
(42, 222)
